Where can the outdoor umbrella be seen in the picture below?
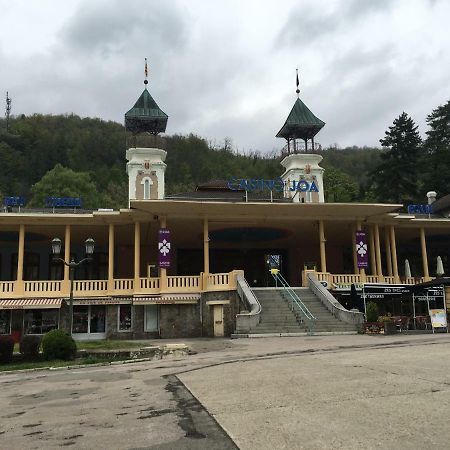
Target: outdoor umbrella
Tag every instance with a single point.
(407, 269)
(439, 267)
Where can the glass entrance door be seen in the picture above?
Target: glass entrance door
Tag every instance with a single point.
(89, 322)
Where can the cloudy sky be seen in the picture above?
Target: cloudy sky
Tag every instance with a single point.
(227, 69)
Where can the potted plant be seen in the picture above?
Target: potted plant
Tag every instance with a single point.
(372, 325)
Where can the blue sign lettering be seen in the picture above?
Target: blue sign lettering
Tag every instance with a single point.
(313, 187)
(63, 202)
(14, 201)
(254, 184)
(419, 209)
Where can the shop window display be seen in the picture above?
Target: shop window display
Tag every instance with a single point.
(89, 319)
(40, 321)
(125, 323)
(80, 319)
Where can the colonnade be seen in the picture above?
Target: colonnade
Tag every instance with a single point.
(373, 238)
(375, 251)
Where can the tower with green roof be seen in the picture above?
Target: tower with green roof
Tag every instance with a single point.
(303, 177)
(145, 148)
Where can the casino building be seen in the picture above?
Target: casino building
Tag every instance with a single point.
(197, 263)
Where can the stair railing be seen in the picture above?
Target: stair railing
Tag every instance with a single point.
(246, 321)
(294, 301)
(353, 317)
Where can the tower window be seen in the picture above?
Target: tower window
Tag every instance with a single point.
(147, 189)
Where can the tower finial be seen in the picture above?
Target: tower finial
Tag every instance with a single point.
(8, 110)
(146, 72)
(297, 82)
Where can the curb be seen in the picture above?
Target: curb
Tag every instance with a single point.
(267, 335)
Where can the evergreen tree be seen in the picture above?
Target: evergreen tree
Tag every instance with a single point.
(436, 175)
(395, 178)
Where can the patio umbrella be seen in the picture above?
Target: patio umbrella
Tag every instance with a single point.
(439, 267)
(407, 269)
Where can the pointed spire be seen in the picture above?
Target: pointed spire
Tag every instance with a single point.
(146, 73)
(298, 83)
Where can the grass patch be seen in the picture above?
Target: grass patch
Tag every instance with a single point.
(55, 363)
(111, 345)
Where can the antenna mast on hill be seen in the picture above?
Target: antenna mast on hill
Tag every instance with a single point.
(8, 110)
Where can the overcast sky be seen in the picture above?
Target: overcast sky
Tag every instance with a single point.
(227, 69)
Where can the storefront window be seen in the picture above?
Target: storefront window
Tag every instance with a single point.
(151, 317)
(80, 319)
(89, 319)
(40, 321)
(97, 319)
(5, 322)
(124, 317)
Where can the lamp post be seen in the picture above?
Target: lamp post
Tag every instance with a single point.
(72, 264)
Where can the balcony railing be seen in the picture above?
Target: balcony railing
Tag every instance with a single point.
(121, 286)
(347, 279)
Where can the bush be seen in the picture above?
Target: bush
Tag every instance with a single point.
(6, 349)
(29, 346)
(371, 312)
(57, 344)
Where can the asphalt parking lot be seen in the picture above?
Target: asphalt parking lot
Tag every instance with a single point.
(312, 393)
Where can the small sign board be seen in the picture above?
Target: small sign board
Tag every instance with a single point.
(438, 318)
(381, 291)
(431, 294)
(63, 202)
(14, 201)
(419, 209)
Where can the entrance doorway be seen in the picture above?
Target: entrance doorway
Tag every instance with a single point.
(252, 261)
(89, 322)
(218, 320)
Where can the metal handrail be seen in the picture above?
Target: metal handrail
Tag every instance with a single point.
(294, 300)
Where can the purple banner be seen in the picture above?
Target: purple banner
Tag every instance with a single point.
(164, 248)
(362, 253)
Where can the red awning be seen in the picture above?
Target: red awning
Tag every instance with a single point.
(30, 303)
(167, 299)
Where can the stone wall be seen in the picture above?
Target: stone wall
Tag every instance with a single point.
(229, 311)
(137, 331)
(178, 321)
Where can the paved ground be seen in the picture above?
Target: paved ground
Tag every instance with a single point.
(308, 392)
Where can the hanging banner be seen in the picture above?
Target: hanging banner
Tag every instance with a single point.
(438, 318)
(164, 248)
(362, 254)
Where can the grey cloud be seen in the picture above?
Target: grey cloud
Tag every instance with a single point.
(108, 27)
(305, 24)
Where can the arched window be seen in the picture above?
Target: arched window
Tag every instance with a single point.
(146, 189)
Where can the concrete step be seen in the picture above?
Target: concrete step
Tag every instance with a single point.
(277, 316)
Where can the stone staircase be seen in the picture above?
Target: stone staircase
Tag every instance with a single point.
(277, 317)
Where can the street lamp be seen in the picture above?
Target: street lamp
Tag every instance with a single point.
(56, 250)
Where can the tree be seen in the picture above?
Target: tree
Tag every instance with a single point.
(395, 178)
(63, 182)
(437, 147)
(339, 187)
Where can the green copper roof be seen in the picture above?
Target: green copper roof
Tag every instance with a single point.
(146, 116)
(301, 123)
